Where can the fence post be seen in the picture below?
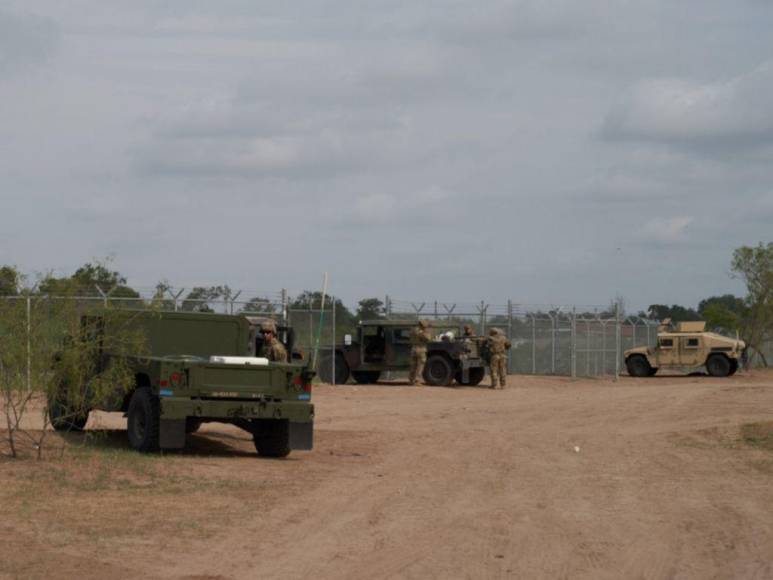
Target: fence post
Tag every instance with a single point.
(235, 296)
(510, 336)
(617, 340)
(533, 346)
(333, 345)
(553, 345)
(574, 342)
(284, 307)
(29, 343)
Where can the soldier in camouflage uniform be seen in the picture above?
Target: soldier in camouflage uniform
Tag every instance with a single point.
(498, 345)
(467, 331)
(272, 349)
(420, 336)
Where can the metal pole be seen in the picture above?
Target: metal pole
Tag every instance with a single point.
(284, 306)
(29, 343)
(333, 345)
(574, 343)
(509, 336)
(234, 300)
(617, 340)
(553, 345)
(533, 346)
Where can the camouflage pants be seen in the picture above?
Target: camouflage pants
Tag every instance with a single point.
(418, 359)
(498, 368)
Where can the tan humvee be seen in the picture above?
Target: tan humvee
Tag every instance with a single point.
(687, 346)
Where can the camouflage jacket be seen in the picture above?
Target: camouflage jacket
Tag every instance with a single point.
(498, 344)
(419, 338)
(274, 351)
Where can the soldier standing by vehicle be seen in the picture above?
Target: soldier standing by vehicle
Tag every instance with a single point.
(467, 331)
(272, 349)
(498, 345)
(420, 336)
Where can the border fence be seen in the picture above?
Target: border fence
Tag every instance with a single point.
(546, 339)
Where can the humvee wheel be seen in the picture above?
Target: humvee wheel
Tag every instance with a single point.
(638, 366)
(718, 365)
(272, 437)
(65, 419)
(733, 367)
(341, 370)
(438, 371)
(143, 424)
(476, 375)
(366, 377)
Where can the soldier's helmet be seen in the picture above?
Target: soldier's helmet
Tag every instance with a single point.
(424, 323)
(268, 326)
(494, 332)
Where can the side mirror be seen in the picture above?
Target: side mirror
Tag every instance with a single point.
(348, 339)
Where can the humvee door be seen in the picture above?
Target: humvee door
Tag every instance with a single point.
(398, 346)
(666, 352)
(690, 349)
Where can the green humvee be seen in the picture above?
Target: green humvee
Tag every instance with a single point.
(384, 345)
(202, 368)
(687, 346)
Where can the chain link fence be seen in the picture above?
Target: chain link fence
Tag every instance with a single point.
(547, 339)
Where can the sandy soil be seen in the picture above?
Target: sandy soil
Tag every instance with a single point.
(550, 478)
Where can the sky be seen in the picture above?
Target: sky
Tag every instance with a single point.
(546, 152)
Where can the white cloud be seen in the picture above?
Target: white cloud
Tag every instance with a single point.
(680, 111)
(666, 230)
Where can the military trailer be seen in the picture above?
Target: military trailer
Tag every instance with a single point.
(385, 345)
(688, 346)
(202, 368)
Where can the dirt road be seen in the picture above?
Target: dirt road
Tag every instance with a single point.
(644, 478)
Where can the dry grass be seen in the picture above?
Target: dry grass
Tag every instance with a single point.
(758, 434)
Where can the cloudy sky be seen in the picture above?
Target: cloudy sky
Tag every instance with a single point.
(543, 151)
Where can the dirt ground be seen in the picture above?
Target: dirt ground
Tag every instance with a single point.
(550, 478)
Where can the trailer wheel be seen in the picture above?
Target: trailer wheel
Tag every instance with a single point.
(476, 375)
(192, 424)
(638, 366)
(63, 417)
(143, 424)
(718, 365)
(366, 377)
(271, 437)
(341, 369)
(438, 371)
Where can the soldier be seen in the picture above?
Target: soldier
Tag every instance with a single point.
(468, 333)
(272, 349)
(420, 336)
(498, 345)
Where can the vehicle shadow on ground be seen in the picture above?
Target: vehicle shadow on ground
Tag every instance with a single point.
(205, 444)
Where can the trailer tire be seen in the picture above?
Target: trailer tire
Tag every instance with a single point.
(271, 437)
(144, 421)
(64, 418)
(341, 370)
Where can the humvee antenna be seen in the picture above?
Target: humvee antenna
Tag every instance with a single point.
(321, 321)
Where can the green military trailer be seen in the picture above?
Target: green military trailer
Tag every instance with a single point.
(200, 368)
(385, 345)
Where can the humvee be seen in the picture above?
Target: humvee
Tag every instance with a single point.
(384, 345)
(686, 346)
(200, 368)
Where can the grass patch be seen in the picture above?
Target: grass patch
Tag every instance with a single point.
(758, 435)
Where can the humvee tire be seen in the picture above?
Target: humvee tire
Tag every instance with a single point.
(271, 437)
(366, 377)
(144, 423)
(638, 366)
(341, 370)
(192, 425)
(718, 365)
(438, 371)
(733, 367)
(476, 375)
(64, 418)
